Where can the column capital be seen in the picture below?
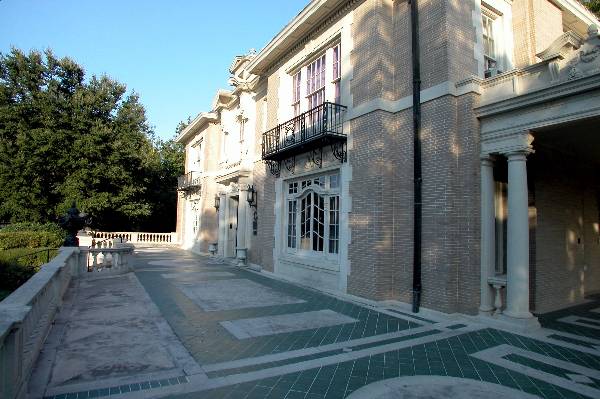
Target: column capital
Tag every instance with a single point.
(518, 155)
(486, 160)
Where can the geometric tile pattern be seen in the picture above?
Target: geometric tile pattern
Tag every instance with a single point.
(335, 361)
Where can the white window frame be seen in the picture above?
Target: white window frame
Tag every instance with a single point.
(327, 192)
(197, 156)
(300, 100)
(492, 13)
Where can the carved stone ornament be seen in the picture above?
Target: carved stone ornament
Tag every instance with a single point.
(585, 61)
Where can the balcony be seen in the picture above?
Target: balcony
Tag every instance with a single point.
(314, 129)
(190, 181)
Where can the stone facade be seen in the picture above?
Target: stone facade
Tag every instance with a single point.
(375, 255)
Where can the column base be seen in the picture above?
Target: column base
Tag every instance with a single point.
(486, 311)
(511, 324)
(242, 256)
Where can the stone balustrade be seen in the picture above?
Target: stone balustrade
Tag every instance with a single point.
(498, 283)
(139, 238)
(27, 314)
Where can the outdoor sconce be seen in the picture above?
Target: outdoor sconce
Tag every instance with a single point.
(217, 202)
(251, 197)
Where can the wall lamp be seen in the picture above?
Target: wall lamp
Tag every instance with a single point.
(251, 196)
(217, 202)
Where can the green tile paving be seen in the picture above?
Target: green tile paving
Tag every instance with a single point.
(210, 343)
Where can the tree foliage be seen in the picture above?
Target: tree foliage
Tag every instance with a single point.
(64, 138)
(593, 6)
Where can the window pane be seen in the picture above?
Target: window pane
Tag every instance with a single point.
(334, 224)
(291, 224)
(318, 222)
(334, 181)
(305, 227)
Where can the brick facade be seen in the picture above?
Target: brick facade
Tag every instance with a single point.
(380, 156)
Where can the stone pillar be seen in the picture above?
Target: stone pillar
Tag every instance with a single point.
(222, 229)
(243, 211)
(517, 296)
(488, 235)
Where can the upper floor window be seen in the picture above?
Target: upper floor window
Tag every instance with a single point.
(489, 45)
(296, 93)
(196, 157)
(337, 73)
(315, 83)
(318, 82)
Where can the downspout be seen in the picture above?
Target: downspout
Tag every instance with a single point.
(417, 173)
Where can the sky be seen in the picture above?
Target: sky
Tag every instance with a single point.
(175, 54)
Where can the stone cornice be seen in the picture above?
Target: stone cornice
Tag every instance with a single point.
(201, 120)
(564, 89)
(308, 19)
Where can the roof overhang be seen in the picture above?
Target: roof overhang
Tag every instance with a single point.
(576, 16)
(297, 29)
(200, 121)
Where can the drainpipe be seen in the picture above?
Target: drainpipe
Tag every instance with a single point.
(417, 174)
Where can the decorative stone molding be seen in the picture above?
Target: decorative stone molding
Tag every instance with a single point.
(562, 46)
(508, 144)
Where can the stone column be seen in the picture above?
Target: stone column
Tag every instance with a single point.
(222, 229)
(517, 296)
(488, 235)
(241, 249)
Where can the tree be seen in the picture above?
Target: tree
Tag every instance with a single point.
(65, 139)
(593, 6)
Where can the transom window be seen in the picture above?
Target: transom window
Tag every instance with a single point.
(313, 215)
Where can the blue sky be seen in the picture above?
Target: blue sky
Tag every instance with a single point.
(175, 54)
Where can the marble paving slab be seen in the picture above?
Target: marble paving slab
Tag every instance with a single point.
(199, 275)
(218, 295)
(269, 325)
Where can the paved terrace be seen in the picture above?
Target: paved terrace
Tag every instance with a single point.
(188, 326)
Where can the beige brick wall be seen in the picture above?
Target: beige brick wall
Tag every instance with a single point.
(567, 247)
(536, 24)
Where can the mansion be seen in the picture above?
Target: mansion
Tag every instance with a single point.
(439, 153)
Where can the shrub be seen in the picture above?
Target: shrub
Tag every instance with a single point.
(32, 226)
(18, 265)
(30, 239)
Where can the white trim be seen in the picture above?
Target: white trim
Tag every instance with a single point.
(447, 88)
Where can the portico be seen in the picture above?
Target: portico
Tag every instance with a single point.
(517, 111)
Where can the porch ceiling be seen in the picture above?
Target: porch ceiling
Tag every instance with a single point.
(581, 139)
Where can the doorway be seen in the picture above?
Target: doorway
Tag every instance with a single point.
(232, 224)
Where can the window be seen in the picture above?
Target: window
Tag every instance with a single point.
(318, 82)
(313, 215)
(315, 82)
(489, 45)
(337, 73)
(197, 155)
(296, 93)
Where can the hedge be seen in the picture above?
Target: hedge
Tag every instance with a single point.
(30, 239)
(32, 226)
(16, 267)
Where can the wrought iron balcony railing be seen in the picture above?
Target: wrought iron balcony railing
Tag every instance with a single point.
(189, 181)
(321, 126)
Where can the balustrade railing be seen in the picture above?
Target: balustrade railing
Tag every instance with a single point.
(136, 237)
(189, 181)
(321, 125)
(27, 314)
